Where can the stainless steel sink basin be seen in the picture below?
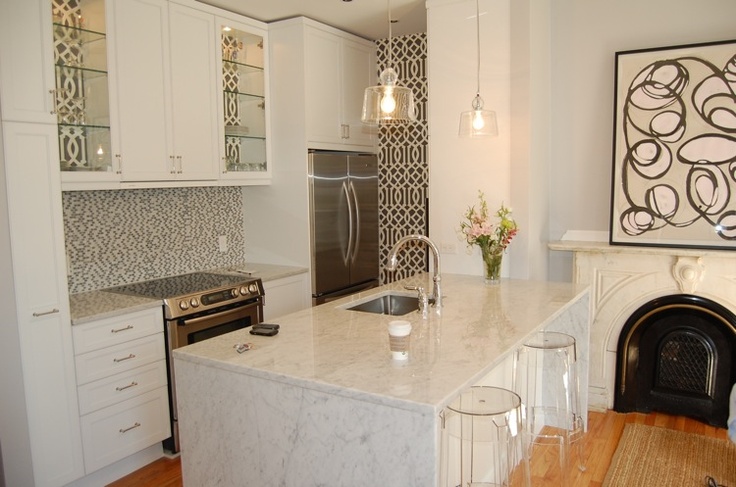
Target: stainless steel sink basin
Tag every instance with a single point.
(388, 304)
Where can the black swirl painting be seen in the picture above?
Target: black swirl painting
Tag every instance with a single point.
(674, 155)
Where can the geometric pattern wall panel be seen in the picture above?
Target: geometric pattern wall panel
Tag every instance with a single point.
(403, 161)
(231, 81)
(70, 101)
(119, 237)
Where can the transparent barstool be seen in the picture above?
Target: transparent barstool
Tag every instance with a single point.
(481, 440)
(545, 377)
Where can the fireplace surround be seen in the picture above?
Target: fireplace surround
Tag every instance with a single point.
(627, 282)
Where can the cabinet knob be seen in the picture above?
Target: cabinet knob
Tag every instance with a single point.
(120, 164)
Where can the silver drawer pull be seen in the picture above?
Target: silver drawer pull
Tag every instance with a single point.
(46, 313)
(118, 360)
(132, 384)
(125, 430)
(118, 330)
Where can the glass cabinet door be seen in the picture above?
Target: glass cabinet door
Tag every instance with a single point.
(82, 99)
(244, 101)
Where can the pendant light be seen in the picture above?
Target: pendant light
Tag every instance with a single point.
(387, 102)
(478, 122)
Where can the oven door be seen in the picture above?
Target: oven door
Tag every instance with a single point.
(185, 331)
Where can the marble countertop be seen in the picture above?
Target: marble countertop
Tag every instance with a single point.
(267, 272)
(95, 305)
(334, 350)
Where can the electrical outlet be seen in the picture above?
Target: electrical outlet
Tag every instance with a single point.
(222, 243)
(448, 248)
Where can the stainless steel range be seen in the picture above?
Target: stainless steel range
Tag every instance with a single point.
(199, 306)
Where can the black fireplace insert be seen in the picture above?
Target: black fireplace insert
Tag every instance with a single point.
(677, 354)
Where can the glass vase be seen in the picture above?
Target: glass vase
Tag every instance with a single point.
(492, 260)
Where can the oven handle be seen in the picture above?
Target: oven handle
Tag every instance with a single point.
(220, 315)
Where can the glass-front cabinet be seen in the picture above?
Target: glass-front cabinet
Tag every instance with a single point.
(82, 101)
(244, 102)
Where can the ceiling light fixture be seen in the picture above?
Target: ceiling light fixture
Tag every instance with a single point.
(478, 122)
(387, 102)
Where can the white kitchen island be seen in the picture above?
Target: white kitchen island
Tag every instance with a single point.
(322, 403)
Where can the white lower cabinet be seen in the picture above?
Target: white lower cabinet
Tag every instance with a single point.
(124, 428)
(121, 379)
(119, 387)
(286, 295)
(31, 165)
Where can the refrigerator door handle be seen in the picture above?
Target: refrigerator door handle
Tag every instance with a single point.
(356, 226)
(351, 218)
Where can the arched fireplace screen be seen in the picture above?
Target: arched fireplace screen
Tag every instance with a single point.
(677, 354)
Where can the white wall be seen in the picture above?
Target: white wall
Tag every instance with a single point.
(458, 167)
(547, 69)
(586, 34)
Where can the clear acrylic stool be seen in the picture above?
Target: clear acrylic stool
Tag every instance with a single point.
(545, 377)
(481, 440)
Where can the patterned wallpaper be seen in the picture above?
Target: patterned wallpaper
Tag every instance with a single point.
(403, 161)
(117, 237)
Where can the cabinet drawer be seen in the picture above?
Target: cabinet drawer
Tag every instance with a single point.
(117, 431)
(118, 329)
(120, 387)
(120, 358)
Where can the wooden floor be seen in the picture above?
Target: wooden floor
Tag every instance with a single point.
(604, 432)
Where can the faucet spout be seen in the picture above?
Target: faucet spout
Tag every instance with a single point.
(436, 278)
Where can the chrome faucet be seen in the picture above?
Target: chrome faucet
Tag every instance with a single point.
(436, 296)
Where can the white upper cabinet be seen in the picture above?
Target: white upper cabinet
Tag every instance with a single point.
(82, 92)
(26, 61)
(244, 102)
(194, 92)
(319, 76)
(339, 67)
(165, 82)
(358, 61)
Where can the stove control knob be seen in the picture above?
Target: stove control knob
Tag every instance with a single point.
(253, 288)
(183, 305)
(194, 302)
(243, 290)
(234, 292)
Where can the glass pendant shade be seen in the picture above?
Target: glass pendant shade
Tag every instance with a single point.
(478, 122)
(388, 102)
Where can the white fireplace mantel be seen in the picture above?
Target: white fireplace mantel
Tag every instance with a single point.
(624, 278)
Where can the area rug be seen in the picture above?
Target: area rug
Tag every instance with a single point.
(653, 456)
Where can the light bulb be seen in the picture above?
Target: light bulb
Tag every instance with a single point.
(478, 122)
(388, 102)
(100, 152)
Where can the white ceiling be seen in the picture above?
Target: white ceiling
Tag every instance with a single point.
(366, 18)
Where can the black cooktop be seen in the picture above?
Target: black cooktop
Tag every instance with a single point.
(183, 285)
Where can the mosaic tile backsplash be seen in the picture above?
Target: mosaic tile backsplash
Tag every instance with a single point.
(118, 237)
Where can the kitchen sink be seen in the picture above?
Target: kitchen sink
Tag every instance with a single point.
(388, 304)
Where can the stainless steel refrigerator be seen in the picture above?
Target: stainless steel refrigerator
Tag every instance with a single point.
(343, 198)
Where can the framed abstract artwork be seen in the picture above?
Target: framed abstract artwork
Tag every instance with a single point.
(674, 147)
